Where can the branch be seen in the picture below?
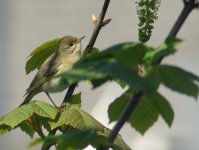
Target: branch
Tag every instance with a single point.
(189, 5)
(89, 47)
(98, 27)
(134, 101)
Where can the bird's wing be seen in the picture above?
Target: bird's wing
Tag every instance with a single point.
(51, 67)
(47, 69)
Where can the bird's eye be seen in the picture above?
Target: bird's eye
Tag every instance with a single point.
(71, 44)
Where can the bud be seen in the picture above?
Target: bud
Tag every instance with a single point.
(94, 19)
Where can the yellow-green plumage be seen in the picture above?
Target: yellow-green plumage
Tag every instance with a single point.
(67, 53)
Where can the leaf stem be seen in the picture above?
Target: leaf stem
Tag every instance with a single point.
(134, 101)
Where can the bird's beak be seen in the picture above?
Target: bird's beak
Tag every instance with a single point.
(81, 38)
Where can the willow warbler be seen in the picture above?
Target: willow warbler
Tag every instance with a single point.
(68, 51)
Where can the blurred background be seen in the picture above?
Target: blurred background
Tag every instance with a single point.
(25, 24)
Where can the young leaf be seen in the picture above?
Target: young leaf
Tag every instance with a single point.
(40, 54)
(130, 54)
(120, 83)
(178, 79)
(44, 109)
(119, 104)
(100, 69)
(77, 118)
(17, 116)
(164, 108)
(145, 114)
(4, 128)
(20, 114)
(27, 129)
(75, 99)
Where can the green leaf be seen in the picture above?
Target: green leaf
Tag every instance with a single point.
(40, 54)
(75, 140)
(145, 113)
(120, 83)
(119, 104)
(178, 79)
(17, 116)
(75, 99)
(154, 55)
(109, 65)
(164, 108)
(4, 128)
(21, 114)
(44, 109)
(27, 129)
(77, 118)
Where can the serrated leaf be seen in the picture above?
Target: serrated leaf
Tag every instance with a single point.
(44, 109)
(4, 128)
(154, 55)
(178, 79)
(164, 108)
(144, 115)
(27, 129)
(117, 106)
(20, 114)
(75, 99)
(77, 118)
(40, 54)
(146, 112)
(120, 83)
(17, 116)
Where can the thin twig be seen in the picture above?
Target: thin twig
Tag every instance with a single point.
(134, 101)
(97, 27)
(89, 48)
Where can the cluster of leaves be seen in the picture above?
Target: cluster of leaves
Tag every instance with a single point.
(118, 63)
(71, 120)
(147, 14)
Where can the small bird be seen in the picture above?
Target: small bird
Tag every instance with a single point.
(68, 52)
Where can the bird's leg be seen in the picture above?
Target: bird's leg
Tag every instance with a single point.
(50, 99)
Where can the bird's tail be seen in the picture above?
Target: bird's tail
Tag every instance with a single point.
(29, 96)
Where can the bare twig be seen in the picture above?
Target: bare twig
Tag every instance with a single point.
(97, 27)
(134, 101)
(88, 49)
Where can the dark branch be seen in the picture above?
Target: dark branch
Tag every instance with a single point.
(89, 48)
(97, 27)
(188, 7)
(134, 101)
